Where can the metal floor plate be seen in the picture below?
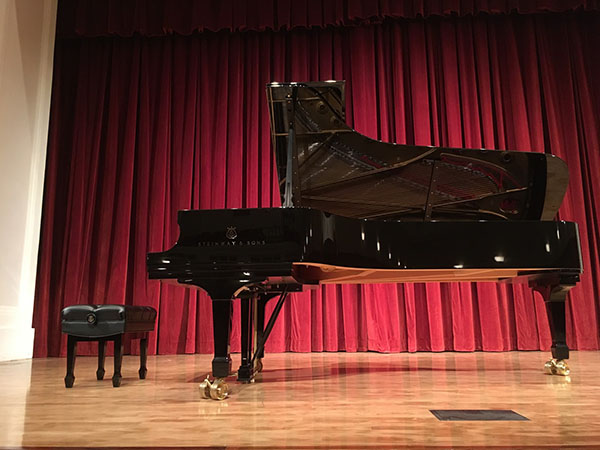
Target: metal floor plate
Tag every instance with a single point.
(476, 414)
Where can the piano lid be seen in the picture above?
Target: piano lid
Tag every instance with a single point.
(324, 164)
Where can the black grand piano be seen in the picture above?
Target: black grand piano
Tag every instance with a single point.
(356, 210)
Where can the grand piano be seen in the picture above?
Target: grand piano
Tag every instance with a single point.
(357, 210)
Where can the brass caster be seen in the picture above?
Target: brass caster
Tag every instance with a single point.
(562, 368)
(205, 388)
(557, 367)
(219, 390)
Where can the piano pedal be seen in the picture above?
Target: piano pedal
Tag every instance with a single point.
(557, 367)
(259, 365)
(218, 389)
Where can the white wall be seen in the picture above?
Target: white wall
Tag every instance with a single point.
(27, 30)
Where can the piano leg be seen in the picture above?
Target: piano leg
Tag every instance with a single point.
(222, 312)
(555, 295)
(246, 370)
(556, 319)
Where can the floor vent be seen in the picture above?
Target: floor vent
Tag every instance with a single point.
(476, 414)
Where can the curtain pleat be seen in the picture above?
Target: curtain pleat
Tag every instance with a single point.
(143, 127)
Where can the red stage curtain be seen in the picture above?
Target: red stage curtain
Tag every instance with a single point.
(142, 127)
(160, 17)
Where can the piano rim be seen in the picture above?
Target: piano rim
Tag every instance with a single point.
(317, 273)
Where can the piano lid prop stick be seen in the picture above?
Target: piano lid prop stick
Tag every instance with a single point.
(291, 139)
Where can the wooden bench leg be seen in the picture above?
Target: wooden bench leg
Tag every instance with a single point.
(71, 354)
(116, 379)
(101, 356)
(143, 357)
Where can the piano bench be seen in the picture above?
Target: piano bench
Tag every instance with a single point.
(106, 323)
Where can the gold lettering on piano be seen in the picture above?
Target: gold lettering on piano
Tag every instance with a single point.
(247, 243)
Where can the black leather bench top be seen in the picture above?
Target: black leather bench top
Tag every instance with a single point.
(106, 320)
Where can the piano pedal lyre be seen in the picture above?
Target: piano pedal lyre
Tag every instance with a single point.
(218, 389)
(557, 367)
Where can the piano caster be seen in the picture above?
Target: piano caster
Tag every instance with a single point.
(217, 389)
(557, 367)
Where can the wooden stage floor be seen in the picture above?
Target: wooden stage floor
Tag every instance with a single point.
(318, 400)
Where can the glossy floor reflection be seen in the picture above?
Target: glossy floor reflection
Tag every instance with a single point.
(319, 400)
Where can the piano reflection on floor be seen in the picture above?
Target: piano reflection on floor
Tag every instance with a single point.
(357, 210)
